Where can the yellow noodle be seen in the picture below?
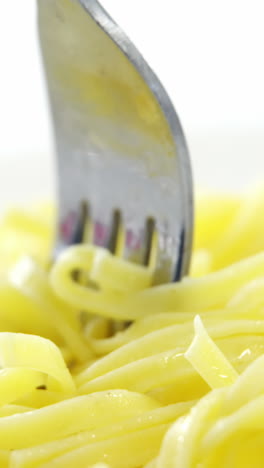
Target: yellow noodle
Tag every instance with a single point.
(4, 458)
(33, 282)
(211, 291)
(215, 214)
(96, 262)
(36, 353)
(71, 416)
(244, 233)
(124, 451)
(163, 340)
(181, 442)
(77, 390)
(8, 410)
(203, 352)
(212, 433)
(100, 465)
(46, 452)
(97, 330)
(17, 382)
(19, 313)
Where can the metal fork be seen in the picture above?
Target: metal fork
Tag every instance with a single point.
(123, 166)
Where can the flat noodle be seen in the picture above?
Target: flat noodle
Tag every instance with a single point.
(75, 392)
(4, 458)
(100, 465)
(33, 281)
(203, 352)
(18, 382)
(71, 416)
(127, 450)
(190, 295)
(46, 452)
(9, 410)
(181, 442)
(36, 353)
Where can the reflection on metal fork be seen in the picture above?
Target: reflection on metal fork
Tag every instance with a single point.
(122, 156)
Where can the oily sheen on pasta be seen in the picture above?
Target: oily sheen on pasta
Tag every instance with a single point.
(182, 386)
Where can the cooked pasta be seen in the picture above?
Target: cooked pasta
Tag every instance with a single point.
(180, 387)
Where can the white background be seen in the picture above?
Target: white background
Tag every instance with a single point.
(209, 55)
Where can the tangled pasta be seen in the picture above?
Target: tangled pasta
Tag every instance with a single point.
(181, 387)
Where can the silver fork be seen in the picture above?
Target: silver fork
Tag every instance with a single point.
(123, 164)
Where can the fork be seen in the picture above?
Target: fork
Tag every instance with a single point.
(124, 176)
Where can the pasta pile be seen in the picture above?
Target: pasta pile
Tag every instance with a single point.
(181, 387)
